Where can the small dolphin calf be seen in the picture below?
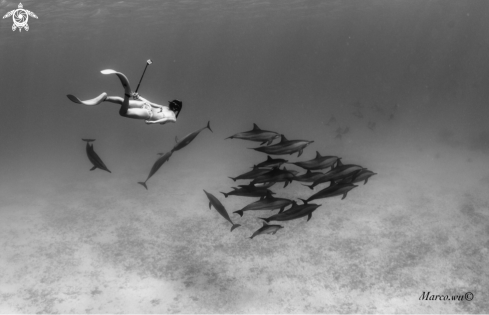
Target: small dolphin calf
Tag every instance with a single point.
(188, 138)
(272, 162)
(285, 147)
(213, 201)
(318, 163)
(159, 162)
(267, 229)
(333, 190)
(94, 158)
(256, 134)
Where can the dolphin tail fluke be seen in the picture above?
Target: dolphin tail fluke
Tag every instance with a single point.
(94, 101)
(93, 168)
(235, 226)
(144, 184)
(310, 186)
(225, 195)
(240, 212)
(265, 219)
(233, 178)
(209, 126)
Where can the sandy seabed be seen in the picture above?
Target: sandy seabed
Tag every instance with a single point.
(104, 244)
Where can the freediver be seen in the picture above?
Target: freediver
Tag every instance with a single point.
(133, 105)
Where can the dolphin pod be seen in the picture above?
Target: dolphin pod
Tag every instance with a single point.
(94, 158)
(342, 178)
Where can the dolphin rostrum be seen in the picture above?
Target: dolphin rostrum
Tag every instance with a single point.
(267, 229)
(94, 158)
(285, 147)
(159, 162)
(213, 201)
(359, 176)
(188, 138)
(256, 134)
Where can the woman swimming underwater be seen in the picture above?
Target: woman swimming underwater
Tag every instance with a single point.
(135, 106)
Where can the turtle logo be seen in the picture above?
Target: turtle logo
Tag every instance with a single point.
(20, 18)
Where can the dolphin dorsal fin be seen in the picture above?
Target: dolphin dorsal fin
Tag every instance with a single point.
(265, 224)
(308, 172)
(317, 154)
(338, 162)
(283, 139)
(255, 127)
(269, 158)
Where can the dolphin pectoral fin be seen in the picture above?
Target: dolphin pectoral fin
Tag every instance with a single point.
(309, 216)
(144, 184)
(235, 226)
(286, 183)
(300, 153)
(93, 168)
(344, 196)
(210, 205)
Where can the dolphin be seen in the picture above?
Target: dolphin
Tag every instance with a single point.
(159, 162)
(308, 177)
(271, 162)
(333, 190)
(267, 229)
(248, 191)
(213, 201)
(285, 147)
(299, 212)
(359, 176)
(188, 138)
(339, 172)
(275, 175)
(268, 203)
(256, 134)
(252, 174)
(318, 163)
(94, 158)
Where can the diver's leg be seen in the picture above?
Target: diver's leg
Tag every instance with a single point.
(127, 90)
(94, 101)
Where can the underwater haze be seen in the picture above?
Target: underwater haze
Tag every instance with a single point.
(397, 87)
